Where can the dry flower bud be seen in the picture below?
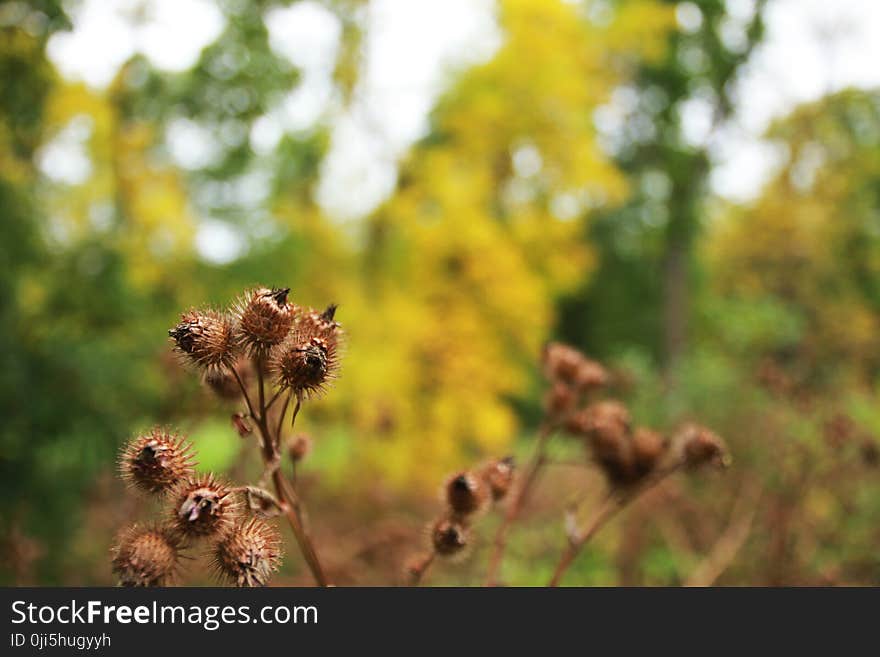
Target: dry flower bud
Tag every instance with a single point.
(308, 360)
(700, 445)
(448, 537)
(265, 318)
(203, 507)
(205, 338)
(498, 476)
(323, 322)
(146, 556)
(591, 375)
(155, 462)
(466, 494)
(606, 429)
(299, 447)
(562, 362)
(249, 554)
(648, 448)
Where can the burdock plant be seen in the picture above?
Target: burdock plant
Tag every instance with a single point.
(271, 354)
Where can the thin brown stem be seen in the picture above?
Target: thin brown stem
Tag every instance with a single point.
(280, 423)
(517, 502)
(244, 394)
(274, 397)
(614, 503)
(419, 568)
(258, 365)
(291, 504)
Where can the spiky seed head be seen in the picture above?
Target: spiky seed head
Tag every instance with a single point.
(498, 476)
(265, 317)
(590, 375)
(466, 493)
(307, 361)
(157, 461)
(449, 537)
(205, 338)
(299, 447)
(562, 362)
(322, 322)
(202, 506)
(648, 449)
(146, 556)
(248, 554)
(701, 446)
(606, 429)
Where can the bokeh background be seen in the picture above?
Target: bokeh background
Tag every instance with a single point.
(688, 191)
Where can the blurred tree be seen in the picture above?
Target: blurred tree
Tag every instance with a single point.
(808, 251)
(464, 262)
(640, 293)
(97, 262)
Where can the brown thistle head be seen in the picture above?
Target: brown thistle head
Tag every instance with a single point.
(448, 537)
(205, 338)
(202, 506)
(606, 428)
(701, 446)
(157, 461)
(498, 476)
(309, 358)
(248, 554)
(565, 364)
(146, 556)
(648, 449)
(466, 494)
(264, 319)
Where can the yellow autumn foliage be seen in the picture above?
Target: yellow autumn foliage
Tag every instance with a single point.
(464, 262)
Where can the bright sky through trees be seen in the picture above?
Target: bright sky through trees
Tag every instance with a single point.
(813, 47)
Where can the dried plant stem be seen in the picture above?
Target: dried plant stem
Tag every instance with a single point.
(417, 571)
(517, 502)
(613, 504)
(291, 504)
(282, 414)
(731, 540)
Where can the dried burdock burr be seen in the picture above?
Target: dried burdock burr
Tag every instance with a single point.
(308, 359)
(561, 363)
(605, 427)
(265, 317)
(590, 375)
(701, 446)
(648, 448)
(466, 494)
(449, 537)
(203, 506)
(248, 554)
(323, 322)
(157, 461)
(146, 556)
(205, 338)
(498, 476)
(565, 364)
